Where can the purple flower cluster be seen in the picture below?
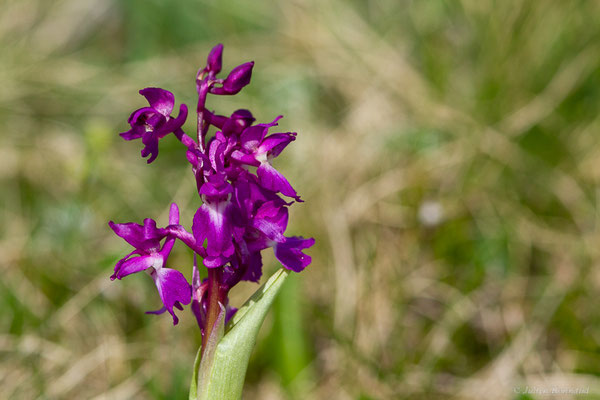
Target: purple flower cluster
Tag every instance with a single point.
(242, 212)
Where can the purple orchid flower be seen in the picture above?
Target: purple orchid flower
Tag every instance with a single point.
(154, 122)
(259, 150)
(214, 221)
(269, 218)
(173, 288)
(242, 213)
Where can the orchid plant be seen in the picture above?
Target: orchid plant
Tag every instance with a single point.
(244, 211)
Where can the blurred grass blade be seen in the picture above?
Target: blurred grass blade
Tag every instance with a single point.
(291, 354)
(222, 377)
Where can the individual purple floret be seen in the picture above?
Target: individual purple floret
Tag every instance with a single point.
(259, 150)
(236, 80)
(215, 221)
(242, 211)
(173, 288)
(154, 122)
(214, 60)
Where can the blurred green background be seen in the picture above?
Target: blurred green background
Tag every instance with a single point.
(448, 153)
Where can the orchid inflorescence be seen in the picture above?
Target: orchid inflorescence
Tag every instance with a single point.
(242, 212)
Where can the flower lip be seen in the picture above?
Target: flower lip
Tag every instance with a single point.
(290, 252)
(214, 222)
(173, 289)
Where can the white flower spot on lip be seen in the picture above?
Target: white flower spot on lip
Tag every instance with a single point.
(262, 157)
(216, 211)
(157, 264)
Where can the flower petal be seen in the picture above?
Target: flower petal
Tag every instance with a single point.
(216, 154)
(173, 288)
(145, 237)
(161, 100)
(140, 116)
(174, 123)
(136, 132)
(216, 189)
(135, 264)
(173, 214)
(244, 158)
(213, 223)
(252, 136)
(239, 120)
(275, 143)
(273, 180)
(215, 261)
(150, 140)
(254, 267)
(161, 310)
(271, 220)
(290, 253)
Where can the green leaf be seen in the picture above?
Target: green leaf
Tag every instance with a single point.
(290, 356)
(221, 375)
(194, 384)
(203, 365)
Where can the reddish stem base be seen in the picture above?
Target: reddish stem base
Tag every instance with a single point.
(216, 298)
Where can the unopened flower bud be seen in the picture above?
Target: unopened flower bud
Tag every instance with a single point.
(238, 78)
(239, 120)
(213, 63)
